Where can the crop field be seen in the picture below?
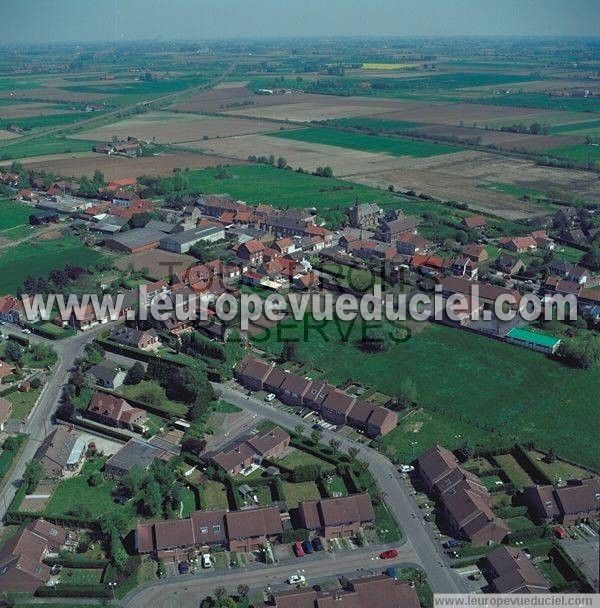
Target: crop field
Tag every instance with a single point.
(498, 388)
(587, 127)
(368, 143)
(265, 184)
(117, 167)
(157, 263)
(30, 109)
(43, 121)
(172, 127)
(13, 214)
(309, 156)
(545, 102)
(37, 258)
(4, 135)
(458, 176)
(374, 124)
(50, 144)
(583, 153)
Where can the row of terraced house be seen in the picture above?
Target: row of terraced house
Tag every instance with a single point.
(333, 405)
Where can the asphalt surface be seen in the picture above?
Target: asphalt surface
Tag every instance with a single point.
(40, 422)
(397, 492)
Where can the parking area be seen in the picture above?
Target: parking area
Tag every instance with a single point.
(584, 552)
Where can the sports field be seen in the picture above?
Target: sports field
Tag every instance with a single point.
(485, 385)
(37, 258)
(265, 184)
(368, 143)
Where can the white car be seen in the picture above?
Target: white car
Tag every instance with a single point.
(270, 397)
(407, 468)
(26, 331)
(296, 579)
(206, 561)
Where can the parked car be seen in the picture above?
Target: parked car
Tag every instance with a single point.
(451, 544)
(317, 544)
(307, 546)
(26, 331)
(296, 579)
(407, 468)
(270, 397)
(206, 561)
(389, 554)
(391, 572)
(298, 550)
(559, 531)
(183, 568)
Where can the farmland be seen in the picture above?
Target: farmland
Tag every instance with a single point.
(368, 143)
(496, 388)
(37, 258)
(13, 214)
(582, 153)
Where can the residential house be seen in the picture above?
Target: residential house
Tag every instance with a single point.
(5, 370)
(579, 499)
(115, 411)
(462, 498)
(215, 205)
(239, 456)
(391, 230)
(11, 309)
(579, 274)
(337, 517)
(22, 567)
(135, 453)
(488, 294)
(509, 264)
(518, 244)
(60, 451)
(252, 252)
(377, 591)
(559, 268)
(108, 374)
(142, 339)
(476, 253)
(474, 222)
(5, 411)
(509, 570)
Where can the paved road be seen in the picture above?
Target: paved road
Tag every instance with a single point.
(40, 421)
(398, 495)
(185, 591)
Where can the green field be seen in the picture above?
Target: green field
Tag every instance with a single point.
(367, 143)
(41, 121)
(13, 214)
(150, 392)
(582, 153)
(588, 127)
(265, 184)
(296, 492)
(38, 258)
(374, 124)
(496, 390)
(43, 145)
(545, 102)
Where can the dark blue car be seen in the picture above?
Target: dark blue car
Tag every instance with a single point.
(183, 568)
(391, 572)
(317, 544)
(307, 546)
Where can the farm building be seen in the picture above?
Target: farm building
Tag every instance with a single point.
(533, 340)
(182, 242)
(135, 241)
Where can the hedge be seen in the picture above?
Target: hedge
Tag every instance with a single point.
(62, 590)
(69, 562)
(40, 331)
(9, 391)
(291, 536)
(527, 534)
(530, 466)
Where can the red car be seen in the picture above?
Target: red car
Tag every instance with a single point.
(298, 550)
(560, 532)
(390, 554)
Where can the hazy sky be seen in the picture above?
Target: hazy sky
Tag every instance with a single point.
(91, 20)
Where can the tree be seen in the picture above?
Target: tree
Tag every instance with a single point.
(95, 479)
(281, 163)
(407, 392)
(551, 456)
(465, 451)
(151, 498)
(220, 593)
(299, 429)
(335, 444)
(194, 445)
(289, 352)
(13, 351)
(136, 374)
(353, 452)
(133, 480)
(34, 473)
(243, 590)
(139, 220)
(316, 435)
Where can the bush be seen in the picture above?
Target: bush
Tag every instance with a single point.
(291, 536)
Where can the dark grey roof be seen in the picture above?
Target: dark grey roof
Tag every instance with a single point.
(138, 237)
(106, 371)
(189, 236)
(165, 227)
(134, 453)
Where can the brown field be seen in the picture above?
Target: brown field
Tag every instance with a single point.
(4, 135)
(115, 167)
(457, 177)
(535, 86)
(343, 161)
(173, 127)
(467, 113)
(23, 110)
(503, 139)
(158, 263)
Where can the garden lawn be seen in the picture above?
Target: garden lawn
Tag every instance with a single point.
(337, 486)
(81, 576)
(188, 499)
(395, 146)
(150, 392)
(558, 468)
(296, 492)
(214, 495)
(299, 458)
(77, 496)
(266, 184)
(488, 391)
(22, 403)
(514, 470)
(13, 214)
(37, 258)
